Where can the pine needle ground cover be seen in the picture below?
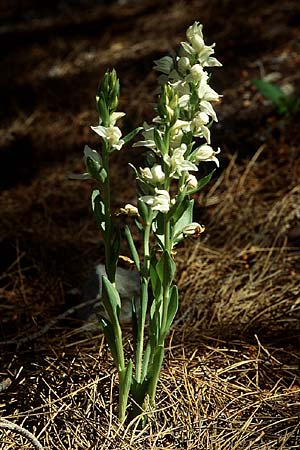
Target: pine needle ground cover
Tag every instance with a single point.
(231, 372)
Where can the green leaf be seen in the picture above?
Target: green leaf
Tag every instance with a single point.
(134, 321)
(93, 167)
(157, 359)
(186, 216)
(132, 248)
(143, 210)
(166, 268)
(179, 207)
(98, 208)
(155, 280)
(102, 175)
(125, 377)
(203, 182)
(172, 308)
(138, 391)
(146, 361)
(114, 253)
(160, 145)
(111, 300)
(131, 135)
(108, 330)
(158, 229)
(270, 91)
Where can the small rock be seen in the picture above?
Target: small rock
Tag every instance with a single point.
(128, 286)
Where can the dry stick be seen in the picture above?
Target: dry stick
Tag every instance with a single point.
(22, 431)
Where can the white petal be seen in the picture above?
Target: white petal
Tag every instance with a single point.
(100, 130)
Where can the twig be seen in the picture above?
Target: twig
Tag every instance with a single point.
(22, 431)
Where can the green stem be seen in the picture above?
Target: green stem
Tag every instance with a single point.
(143, 302)
(162, 332)
(108, 222)
(111, 273)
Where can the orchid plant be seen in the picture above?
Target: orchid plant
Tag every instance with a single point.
(163, 213)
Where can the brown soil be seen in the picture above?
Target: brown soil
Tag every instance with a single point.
(231, 374)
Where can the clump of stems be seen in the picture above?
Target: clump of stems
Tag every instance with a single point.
(163, 213)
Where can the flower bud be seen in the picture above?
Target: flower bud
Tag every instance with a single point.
(193, 229)
(191, 182)
(183, 64)
(130, 210)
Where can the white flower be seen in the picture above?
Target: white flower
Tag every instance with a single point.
(206, 153)
(195, 36)
(212, 62)
(111, 134)
(205, 92)
(184, 101)
(177, 132)
(177, 163)
(164, 65)
(197, 72)
(158, 202)
(206, 107)
(155, 175)
(180, 125)
(199, 127)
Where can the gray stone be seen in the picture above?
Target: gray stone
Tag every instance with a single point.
(127, 284)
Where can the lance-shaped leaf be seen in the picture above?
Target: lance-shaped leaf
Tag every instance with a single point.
(131, 135)
(166, 268)
(172, 308)
(185, 219)
(143, 210)
(155, 280)
(158, 229)
(138, 390)
(203, 182)
(125, 377)
(114, 254)
(98, 209)
(155, 322)
(159, 142)
(111, 300)
(134, 322)
(156, 364)
(108, 330)
(270, 91)
(132, 248)
(146, 360)
(185, 214)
